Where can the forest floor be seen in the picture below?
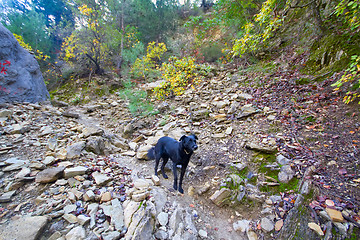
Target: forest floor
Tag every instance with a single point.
(308, 125)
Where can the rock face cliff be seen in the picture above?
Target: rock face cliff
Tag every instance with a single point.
(20, 76)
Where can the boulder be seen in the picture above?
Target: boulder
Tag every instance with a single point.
(20, 76)
(29, 228)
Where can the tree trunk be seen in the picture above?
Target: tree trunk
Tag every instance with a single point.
(317, 17)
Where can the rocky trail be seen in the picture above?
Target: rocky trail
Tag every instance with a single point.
(270, 164)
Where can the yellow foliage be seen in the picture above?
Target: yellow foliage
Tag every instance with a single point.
(179, 74)
(38, 55)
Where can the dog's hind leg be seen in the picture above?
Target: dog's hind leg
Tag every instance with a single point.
(157, 160)
(165, 160)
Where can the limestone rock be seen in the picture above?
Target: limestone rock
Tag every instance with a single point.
(23, 80)
(242, 225)
(49, 175)
(335, 215)
(75, 171)
(286, 174)
(6, 197)
(74, 150)
(220, 195)
(76, 233)
(266, 224)
(29, 228)
(101, 179)
(316, 228)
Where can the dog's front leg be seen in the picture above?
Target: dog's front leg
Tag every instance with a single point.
(183, 168)
(175, 176)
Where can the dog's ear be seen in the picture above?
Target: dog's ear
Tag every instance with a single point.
(195, 136)
(182, 138)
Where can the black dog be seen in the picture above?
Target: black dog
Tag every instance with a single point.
(179, 152)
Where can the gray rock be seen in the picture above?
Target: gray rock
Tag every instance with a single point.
(52, 144)
(95, 144)
(14, 164)
(261, 148)
(113, 235)
(69, 208)
(117, 215)
(282, 160)
(286, 174)
(101, 179)
(23, 80)
(91, 210)
(128, 130)
(6, 197)
(145, 228)
(203, 233)
(23, 173)
(49, 160)
(245, 96)
(89, 196)
(77, 233)
(175, 220)
(129, 211)
(189, 224)
(220, 196)
(200, 115)
(83, 220)
(163, 218)
(247, 110)
(5, 113)
(75, 171)
(92, 131)
(233, 107)
(241, 225)
(29, 228)
(161, 235)
(267, 225)
(49, 175)
(74, 150)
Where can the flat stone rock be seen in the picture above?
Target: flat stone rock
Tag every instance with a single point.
(163, 218)
(75, 171)
(74, 151)
(335, 215)
(220, 195)
(49, 175)
(242, 225)
(92, 131)
(6, 197)
(23, 173)
(101, 179)
(267, 225)
(76, 233)
(285, 174)
(117, 215)
(261, 148)
(316, 228)
(49, 160)
(29, 228)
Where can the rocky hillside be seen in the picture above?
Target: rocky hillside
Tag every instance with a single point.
(276, 160)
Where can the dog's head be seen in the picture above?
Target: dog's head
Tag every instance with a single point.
(189, 143)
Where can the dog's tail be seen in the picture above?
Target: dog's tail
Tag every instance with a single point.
(151, 153)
